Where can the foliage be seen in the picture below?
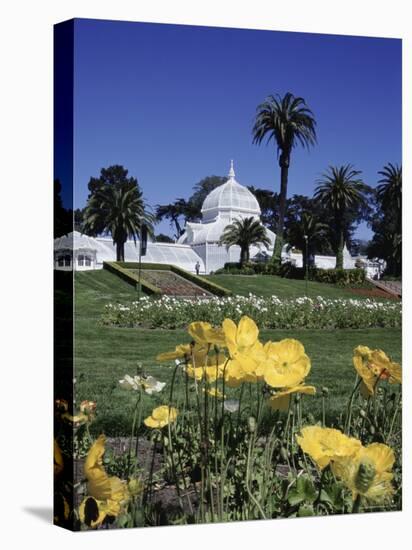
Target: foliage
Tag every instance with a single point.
(63, 217)
(305, 234)
(339, 190)
(173, 212)
(387, 221)
(181, 211)
(340, 277)
(287, 121)
(162, 238)
(244, 233)
(115, 205)
(269, 206)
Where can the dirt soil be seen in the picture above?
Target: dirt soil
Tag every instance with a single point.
(372, 293)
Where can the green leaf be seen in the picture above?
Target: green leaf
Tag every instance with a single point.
(306, 510)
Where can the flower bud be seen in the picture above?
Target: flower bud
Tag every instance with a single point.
(362, 413)
(251, 424)
(135, 487)
(325, 391)
(283, 454)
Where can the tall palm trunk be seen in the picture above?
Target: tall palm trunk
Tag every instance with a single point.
(244, 255)
(120, 251)
(340, 244)
(284, 172)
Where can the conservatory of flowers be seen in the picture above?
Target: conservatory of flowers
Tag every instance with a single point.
(199, 244)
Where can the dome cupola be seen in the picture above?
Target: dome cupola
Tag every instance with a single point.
(230, 200)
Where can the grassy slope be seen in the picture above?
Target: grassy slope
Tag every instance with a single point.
(267, 285)
(104, 355)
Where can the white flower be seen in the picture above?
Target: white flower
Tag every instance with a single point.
(151, 385)
(148, 384)
(130, 383)
(231, 405)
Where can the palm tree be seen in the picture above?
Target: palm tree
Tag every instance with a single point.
(287, 121)
(306, 234)
(339, 189)
(117, 208)
(389, 192)
(244, 233)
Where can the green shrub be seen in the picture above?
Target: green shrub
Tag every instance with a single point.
(339, 277)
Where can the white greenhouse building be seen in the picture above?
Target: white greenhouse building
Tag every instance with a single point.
(199, 243)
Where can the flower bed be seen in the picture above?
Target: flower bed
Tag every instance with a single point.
(273, 312)
(205, 456)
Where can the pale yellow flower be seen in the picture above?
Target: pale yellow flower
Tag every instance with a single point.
(375, 365)
(214, 392)
(204, 334)
(75, 420)
(325, 445)
(100, 485)
(93, 512)
(286, 363)
(368, 473)
(280, 400)
(161, 417)
(182, 351)
(212, 368)
(246, 352)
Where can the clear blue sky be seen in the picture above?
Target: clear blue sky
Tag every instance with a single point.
(175, 103)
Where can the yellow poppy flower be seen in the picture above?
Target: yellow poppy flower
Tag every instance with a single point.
(161, 417)
(204, 333)
(280, 400)
(88, 408)
(93, 512)
(213, 392)
(75, 420)
(375, 365)
(286, 363)
(246, 352)
(235, 375)
(58, 459)
(211, 369)
(99, 484)
(368, 473)
(182, 351)
(324, 445)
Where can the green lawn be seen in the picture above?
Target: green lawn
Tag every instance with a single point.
(104, 355)
(268, 285)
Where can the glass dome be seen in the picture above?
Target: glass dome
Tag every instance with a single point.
(232, 198)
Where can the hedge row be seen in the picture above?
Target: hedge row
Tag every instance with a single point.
(340, 277)
(119, 269)
(122, 268)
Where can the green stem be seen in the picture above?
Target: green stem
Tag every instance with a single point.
(357, 505)
(248, 468)
(350, 404)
